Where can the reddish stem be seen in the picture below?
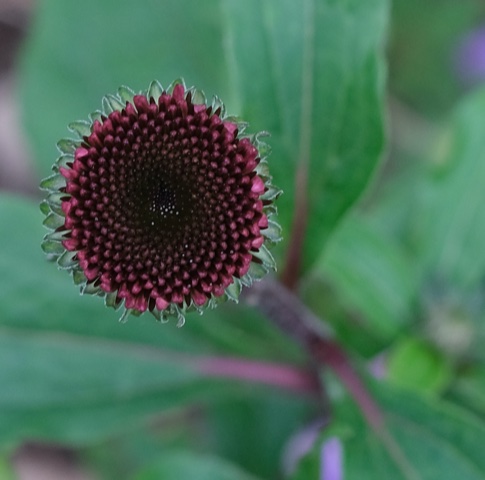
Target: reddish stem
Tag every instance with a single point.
(331, 354)
(291, 272)
(293, 317)
(278, 375)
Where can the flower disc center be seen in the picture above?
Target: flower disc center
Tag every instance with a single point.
(160, 204)
(163, 203)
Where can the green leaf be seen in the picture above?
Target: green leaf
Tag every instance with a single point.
(432, 440)
(452, 217)
(185, 465)
(469, 389)
(57, 387)
(272, 417)
(371, 273)
(311, 73)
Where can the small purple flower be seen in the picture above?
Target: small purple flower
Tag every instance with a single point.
(303, 442)
(470, 57)
(332, 460)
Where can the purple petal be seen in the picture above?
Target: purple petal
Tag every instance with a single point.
(331, 460)
(470, 56)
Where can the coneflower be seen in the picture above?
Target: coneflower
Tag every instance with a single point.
(162, 203)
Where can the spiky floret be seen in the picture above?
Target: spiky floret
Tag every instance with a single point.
(161, 203)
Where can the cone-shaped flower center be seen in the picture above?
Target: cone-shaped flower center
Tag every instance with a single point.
(164, 203)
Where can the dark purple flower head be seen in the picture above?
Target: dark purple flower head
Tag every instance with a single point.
(162, 203)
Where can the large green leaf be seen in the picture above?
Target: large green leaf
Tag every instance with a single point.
(371, 274)
(65, 389)
(452, 217)
(309, 72)
(273, 418)
(185, 465)
(432, 440)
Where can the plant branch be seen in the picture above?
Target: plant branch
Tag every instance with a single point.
(287, 377)
(285, 310)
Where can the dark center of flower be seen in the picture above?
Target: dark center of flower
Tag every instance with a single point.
(163, 203)
(157, 202)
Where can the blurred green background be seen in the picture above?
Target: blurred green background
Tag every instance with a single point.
(394, 256)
